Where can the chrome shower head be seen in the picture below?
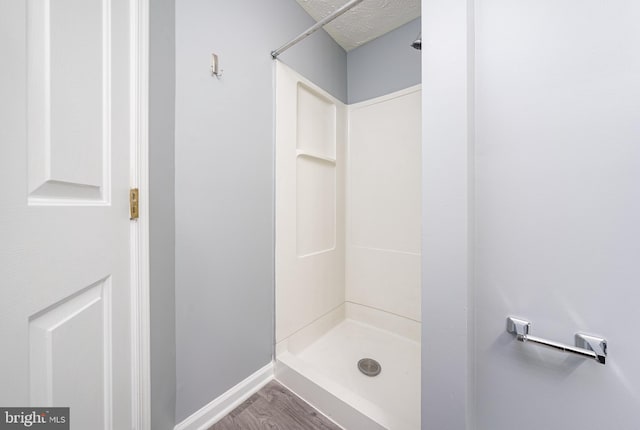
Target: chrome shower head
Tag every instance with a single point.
(417, 44)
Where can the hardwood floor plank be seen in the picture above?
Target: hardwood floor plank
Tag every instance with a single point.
(247, 403)
(274, 408)
(297, 408)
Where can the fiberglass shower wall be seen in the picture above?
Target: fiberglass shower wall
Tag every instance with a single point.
(384, 204)
(311, 134)
(347, 206)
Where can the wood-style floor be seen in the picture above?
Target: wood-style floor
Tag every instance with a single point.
(274, 408)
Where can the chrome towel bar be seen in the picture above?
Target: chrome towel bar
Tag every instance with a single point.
(586, 346)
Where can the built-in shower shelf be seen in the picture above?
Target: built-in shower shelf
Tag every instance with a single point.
(300, 153)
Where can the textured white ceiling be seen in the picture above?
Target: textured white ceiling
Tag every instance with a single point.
(368, 20)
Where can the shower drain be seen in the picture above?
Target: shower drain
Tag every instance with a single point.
(369, 367)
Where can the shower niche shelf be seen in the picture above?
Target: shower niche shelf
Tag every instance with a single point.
(316, 123)
(328, 159)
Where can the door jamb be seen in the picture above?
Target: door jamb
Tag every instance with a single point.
(139, 230)
(448, 214)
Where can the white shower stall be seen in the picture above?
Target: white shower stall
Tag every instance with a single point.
(348, 220)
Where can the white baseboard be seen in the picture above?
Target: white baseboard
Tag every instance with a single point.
(218, 408)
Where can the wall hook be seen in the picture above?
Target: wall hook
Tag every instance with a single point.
(215, 66)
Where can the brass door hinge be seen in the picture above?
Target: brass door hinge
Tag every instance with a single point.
(133, 203)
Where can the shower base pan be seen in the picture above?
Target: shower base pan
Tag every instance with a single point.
(320, 364)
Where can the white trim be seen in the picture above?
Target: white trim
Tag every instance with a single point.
(218, 408)
(448, 213)
(139, 234)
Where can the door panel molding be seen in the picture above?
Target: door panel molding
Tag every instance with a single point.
(71, 331)
(69, 103)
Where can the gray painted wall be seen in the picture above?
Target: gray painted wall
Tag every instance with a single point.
(385, 64)
(162, 209)
(224, 183)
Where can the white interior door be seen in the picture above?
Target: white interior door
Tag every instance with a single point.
(557, 211)
(65, 293)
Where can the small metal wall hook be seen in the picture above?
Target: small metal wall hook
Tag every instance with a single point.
(215, 66)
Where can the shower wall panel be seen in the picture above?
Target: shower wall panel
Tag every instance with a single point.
(384, 203)
(310, 228)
